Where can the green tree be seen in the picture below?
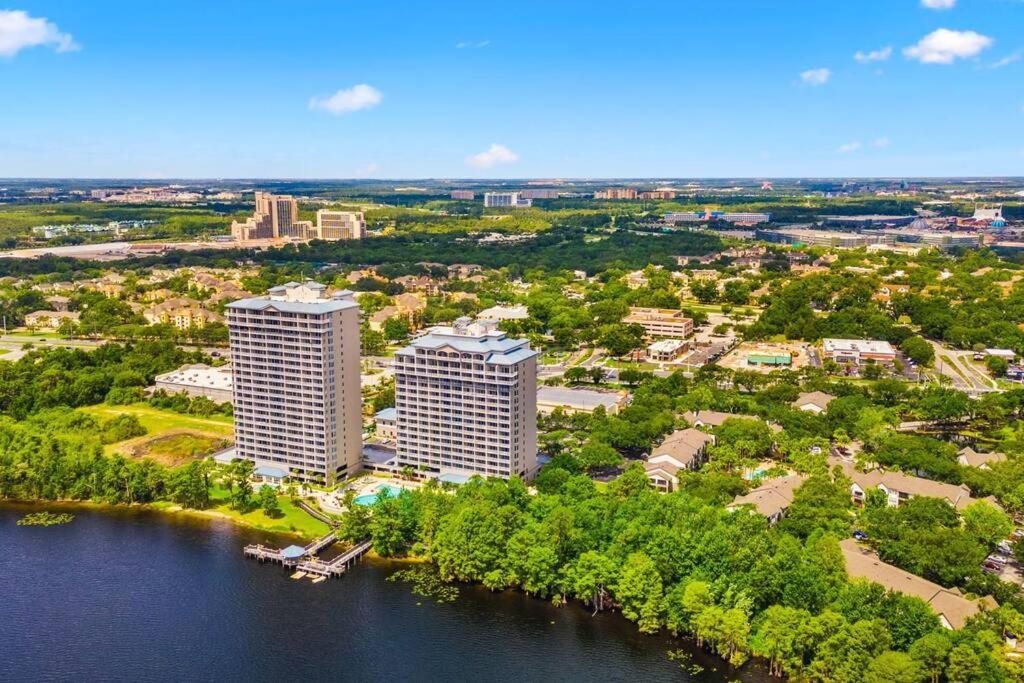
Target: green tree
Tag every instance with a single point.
(986, 523)
(894, 667)
(266, 500)
(640, 592)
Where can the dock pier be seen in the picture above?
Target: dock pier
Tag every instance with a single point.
(304, 558)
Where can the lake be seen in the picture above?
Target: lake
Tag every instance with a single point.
(135, 595)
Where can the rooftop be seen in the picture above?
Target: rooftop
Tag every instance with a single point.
(951, 605)
(199, 376)
(586, 399)
(292, 297)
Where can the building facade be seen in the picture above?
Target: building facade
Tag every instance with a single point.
(340, 225)
(295, 356)
(276, 215)
(505, 199)
(467, 402)
(660, 322)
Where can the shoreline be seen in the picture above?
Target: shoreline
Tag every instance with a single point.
(170, 509)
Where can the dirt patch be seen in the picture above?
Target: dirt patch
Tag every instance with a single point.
(175, 447)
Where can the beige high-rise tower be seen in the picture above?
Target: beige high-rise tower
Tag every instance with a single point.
(466, 399)
(295, 365)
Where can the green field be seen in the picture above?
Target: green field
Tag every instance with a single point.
(293, 519)
(162, 422)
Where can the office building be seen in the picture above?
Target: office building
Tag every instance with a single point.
(465, 195)
(340, 225)
(295, 356)
(198, 379)
(660, 322)
(505, 199)
(467, 402)
(539, 194)
(275, 216)
(748, 218)
(824, 238)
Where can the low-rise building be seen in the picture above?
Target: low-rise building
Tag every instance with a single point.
(772, 498)
(968, 457)
(899, 487)
(759, 359)
(499, 313)
(666, 350)
(49, 320)
(387, 423)
(858, 351)
(577, 400)
(660, 322)
(198, 380)
(682, 450)
(181, 312)
(813, 402)
(952, 608)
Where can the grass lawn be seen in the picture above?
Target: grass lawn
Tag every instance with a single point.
(162, 422)
(630, 365)
(173, 448)
(158, 421)
(293, 519)
(28, 336)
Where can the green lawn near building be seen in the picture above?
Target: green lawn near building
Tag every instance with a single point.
(172, 436)
(292, 520)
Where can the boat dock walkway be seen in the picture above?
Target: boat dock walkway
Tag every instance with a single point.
(292, 554)
(304, 558)
(339, 564)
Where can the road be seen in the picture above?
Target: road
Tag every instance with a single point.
(14, 345)
(960, 368)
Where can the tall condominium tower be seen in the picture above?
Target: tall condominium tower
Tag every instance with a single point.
(467, 402)
(295, 360)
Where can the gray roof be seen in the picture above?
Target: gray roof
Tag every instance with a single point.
(496, 345)
(260, 303)
(387, 414)
(577, 398)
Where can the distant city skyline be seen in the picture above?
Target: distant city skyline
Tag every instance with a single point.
(880, 88)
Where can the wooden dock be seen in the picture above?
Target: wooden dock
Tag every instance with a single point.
(307, 561)
(339, 564)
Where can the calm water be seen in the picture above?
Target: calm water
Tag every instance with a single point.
(140, 596)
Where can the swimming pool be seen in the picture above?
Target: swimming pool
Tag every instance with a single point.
(371, 498)
(759, 472)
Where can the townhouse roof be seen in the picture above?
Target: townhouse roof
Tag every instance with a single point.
(817, 398)
(949, 604)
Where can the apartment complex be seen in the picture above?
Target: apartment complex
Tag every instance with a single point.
(465, 195)
(616, 193)
(661, 322)
(295, 355)
(339, 225)
(505, 199)
(467, 402)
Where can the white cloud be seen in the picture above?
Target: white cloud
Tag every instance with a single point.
(472, 44)
(945, 46)
(367, 170)
(495, 154)
(357, 97)
(849, 147)
(881, 142)
(879, 55)
(938, 4)
(1007, 60)
(815, 77)
(19, 31)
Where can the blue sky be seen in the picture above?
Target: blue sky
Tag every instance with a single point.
(317, 89)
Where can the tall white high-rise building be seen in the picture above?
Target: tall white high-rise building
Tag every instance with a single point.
(295, 360)
(466, 398)
(503, 199)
